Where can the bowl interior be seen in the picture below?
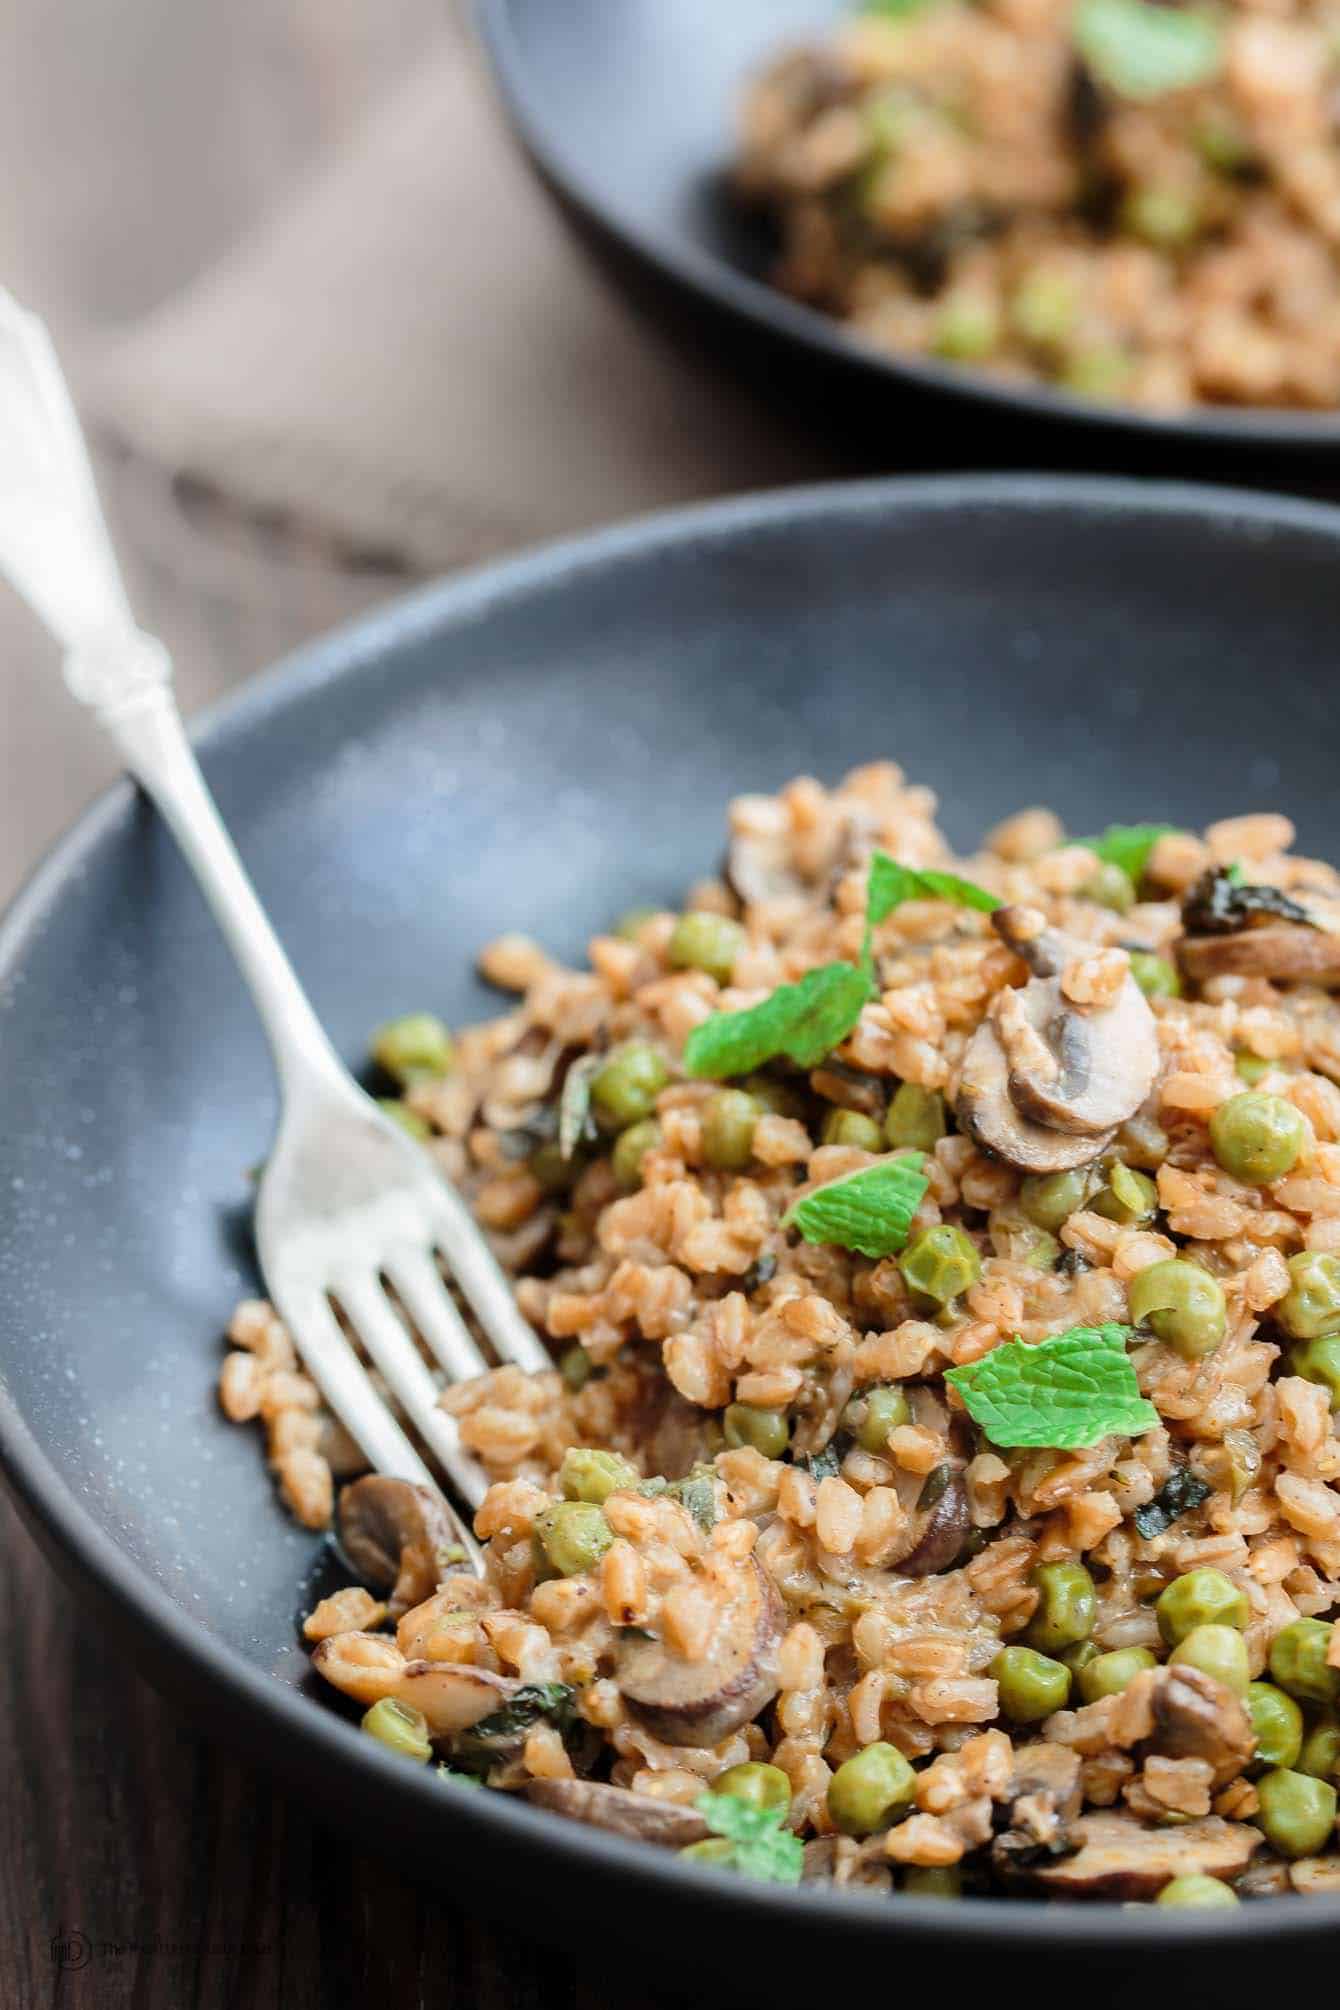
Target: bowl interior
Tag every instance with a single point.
(631, 107)
(536, 749)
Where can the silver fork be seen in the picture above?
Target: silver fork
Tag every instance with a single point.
(348, 1202)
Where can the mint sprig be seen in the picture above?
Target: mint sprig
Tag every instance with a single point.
(760, 1846)
(803, 1022)
(1064, 1393)
(870, 1210)
(1142, 50)
(1128, 845)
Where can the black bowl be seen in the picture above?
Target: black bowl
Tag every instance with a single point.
(537, 747)
(628, 109)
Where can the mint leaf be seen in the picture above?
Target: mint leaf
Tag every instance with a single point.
(803, 1022)
(1141, 50)
(870, 1210)
(762, 1848)
(1066, 1392)
(1129, 846)
(891, 884)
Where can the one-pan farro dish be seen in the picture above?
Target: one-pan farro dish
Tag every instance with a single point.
(936, 1488)
(1130, 200)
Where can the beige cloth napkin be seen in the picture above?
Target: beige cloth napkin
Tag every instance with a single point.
(415, 357)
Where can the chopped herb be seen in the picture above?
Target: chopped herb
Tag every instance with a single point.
(760, 1272)
(541, 1129)
(1071, 1263)
(870, 1210)
(1129, 846)
(697, 1491)
(536, 1702)
(802, 1021)
(824, 1465)
(1180, 1492)
(1141, 51)
(1234, 874)
(458, 1779)
(1064, 1393)
(1223, 903)
(762, 1848)
(891, 884)
(576, 1125)
(893, 10)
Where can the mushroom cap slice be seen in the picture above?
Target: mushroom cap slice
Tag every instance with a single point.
(620, 1811)
(1119, 1858)
(1105, 1062)
(985, 1110)
(938, 1521)
(1196, 1717)
(1285, 951)
(701, 1702)
(399, 1538)
(452, 1695)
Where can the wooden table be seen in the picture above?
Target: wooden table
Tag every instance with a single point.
(139, 1864)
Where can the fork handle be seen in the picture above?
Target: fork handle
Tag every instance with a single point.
(55, 550)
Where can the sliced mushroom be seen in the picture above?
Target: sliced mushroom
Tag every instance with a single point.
(938, 1522)
(1196, 1717)
(1286, 952)
(399, 1538)
(758, 869)
(701, 1702)
(622, 1812)
(851, 1088)
(1045, 1083)
(1041, 1802)
(454, 1696)
(1119, 1858)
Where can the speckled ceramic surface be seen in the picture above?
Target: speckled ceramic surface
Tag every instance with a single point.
(537, 747)
(628, 109)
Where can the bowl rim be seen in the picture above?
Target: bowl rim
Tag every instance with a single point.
(677, 259)
(278, 1718)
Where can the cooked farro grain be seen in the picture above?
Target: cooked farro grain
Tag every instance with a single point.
(1009, 186)
(792, 1540)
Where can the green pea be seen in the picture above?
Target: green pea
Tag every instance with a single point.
(1097, 373)
(1202, 1597)
(1277, 1725)
(768, 1431)
(625, 1089)
(1110, 887)
(1167, 218)
(1310, 1310)
(1320, 1752)
(867, 1790)
(705, 941)
(940, 1262)
(1049, 1199)
(1251, 1068)
(1258, 1138)
(576, 1367)
(712, 1849)
(630, 1150)
(1080, 1655)
(871, 1416)
(574, 1535)
(1110, 1673)
(399, 1727)
(1319, 1361)
(916, 1118)
(1297, 1812)
(409, 1120)
(413, 1049)
(759, 1785)
(1156, 977)
(967, 329)
(1180, 1303)
(1298, 1661)
(1129, 1197)
(1194, 1888)
(934, 1880)
(590, 1475)
(729, 1117)
(1066, 1609)
(849, 1127)
(631, 924)
(1219, 1651)
(1043, 308)
(1031, 1686)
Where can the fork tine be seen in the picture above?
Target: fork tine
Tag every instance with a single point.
(428, 1302)
(475, 1269)
(340, 1376)
(384, 1334)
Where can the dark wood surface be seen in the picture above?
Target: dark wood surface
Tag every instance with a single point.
(140, 1865)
